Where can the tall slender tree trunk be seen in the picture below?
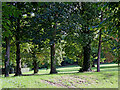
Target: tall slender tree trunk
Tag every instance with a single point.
(53, 61)
(7, 56)
(99, 46)
(119, 54)
(99, 52)
(18, 58)
(118, 47)
(86, 62)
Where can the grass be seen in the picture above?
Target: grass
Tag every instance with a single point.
(67, 77)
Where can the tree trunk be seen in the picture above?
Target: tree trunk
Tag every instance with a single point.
(18, 59)
(99, 46)
(86, 62)
(7, 56)
(118, 47)
(35, 64)
(35, 67)
(99, 52)
(53, 61)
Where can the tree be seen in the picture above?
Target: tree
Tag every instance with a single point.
(80, 20)
(113, 25)
(49, 19)
(99, 46)
(7, 34)
(35, 61)
(15, 21)
(111, 14)
(7, 57)
(21, 30)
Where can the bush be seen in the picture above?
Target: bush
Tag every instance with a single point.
(68, 61)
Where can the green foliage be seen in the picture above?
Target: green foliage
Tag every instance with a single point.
(71, 26)
(59, 52)
(80, 61)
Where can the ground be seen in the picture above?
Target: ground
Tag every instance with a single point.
(67, 77)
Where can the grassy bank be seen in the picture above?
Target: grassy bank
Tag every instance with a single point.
(67, 77)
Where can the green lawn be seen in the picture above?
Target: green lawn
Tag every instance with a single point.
(67, 77)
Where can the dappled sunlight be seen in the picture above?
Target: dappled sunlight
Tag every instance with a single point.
(58, 44)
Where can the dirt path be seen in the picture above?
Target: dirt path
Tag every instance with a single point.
(58, 84)
(61, 82)
(55, 84)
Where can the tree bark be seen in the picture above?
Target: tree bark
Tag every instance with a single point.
(35, 67)
(118, 47)
(53, 61)
(7, 56)
(86, 62)
(99, 52)
(18, 58)
(35, 62)
(99, 46)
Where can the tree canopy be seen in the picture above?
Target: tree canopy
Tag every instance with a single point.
(47, 33)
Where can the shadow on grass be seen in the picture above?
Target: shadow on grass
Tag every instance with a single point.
(59, 73)
(68, 70)
(75, 71)
(45, 74)
(34, 74)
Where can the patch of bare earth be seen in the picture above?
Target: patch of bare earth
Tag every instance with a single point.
(70, 81)
(54, 84)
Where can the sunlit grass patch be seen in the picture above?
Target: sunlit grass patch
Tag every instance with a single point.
(67, 77)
